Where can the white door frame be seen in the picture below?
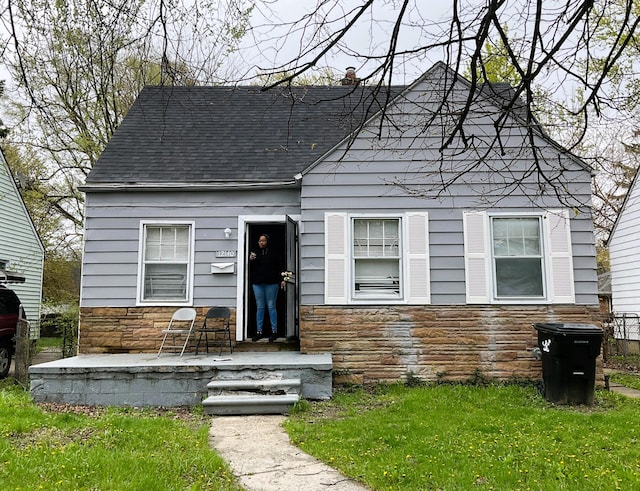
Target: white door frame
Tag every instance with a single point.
(242, 263)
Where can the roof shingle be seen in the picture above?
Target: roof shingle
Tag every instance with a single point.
(229, 134)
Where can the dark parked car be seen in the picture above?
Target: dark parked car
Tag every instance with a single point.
(10, 312)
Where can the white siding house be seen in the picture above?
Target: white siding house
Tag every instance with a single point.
(21, 250)
(625, 257)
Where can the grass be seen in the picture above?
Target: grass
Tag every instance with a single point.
(62, 448)
(455, 437)
(629, 361)
(631, 380)
(48, 343)
(441, 437)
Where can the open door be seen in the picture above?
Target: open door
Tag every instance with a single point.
(283, 233)
(293, 306)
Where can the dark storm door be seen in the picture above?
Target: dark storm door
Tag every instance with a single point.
(292, 260)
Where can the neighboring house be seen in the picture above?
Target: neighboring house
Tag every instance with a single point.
(21, 251)
(625, 259)
(604, 293)
(387, 280)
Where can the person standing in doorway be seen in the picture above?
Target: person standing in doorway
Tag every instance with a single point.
(266, 277)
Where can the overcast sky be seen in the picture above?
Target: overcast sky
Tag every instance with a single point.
(275, 38)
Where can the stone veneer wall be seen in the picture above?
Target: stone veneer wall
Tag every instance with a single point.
(454, 343)
(374, 344)
(128, 329)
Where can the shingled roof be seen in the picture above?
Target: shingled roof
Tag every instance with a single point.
(218, 135)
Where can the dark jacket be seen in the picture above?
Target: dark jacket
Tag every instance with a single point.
(266, 268)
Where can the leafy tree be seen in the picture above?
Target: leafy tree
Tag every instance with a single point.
(495, 65)
(78, 66)
(61, 283)
(32, 180)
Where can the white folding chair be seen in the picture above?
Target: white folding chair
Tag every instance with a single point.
(180, 325)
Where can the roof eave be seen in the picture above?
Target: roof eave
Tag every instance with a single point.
(104, 187)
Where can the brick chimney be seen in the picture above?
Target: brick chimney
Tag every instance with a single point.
(350, 77)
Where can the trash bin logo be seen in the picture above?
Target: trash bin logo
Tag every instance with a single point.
(546, 345)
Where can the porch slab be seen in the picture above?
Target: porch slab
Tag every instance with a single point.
(170, 380)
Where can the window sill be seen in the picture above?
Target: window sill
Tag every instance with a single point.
(167, 302)
(520, 301)
(376, 301)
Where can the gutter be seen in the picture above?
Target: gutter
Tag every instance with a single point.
(184, 186)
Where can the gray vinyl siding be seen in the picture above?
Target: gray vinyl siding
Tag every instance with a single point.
(20, 244)
(360, 179)
(110, 260)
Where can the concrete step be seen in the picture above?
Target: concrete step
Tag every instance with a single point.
(252, 396)
(255, 386)
(249, 404)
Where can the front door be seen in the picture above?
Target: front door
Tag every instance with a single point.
(283, 242)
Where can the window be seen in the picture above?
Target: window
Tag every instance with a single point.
(166, 263)
(376, 258)
(518, 258)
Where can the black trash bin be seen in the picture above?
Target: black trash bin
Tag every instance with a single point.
(569, 353)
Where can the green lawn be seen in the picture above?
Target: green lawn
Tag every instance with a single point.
(631, 380)
(442, 437)
(48, 343)
(65, 448)
(454, 437)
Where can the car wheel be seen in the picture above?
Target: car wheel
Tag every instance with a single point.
(5, 361)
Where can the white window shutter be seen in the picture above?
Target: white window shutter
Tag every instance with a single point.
(418, 272)
(477, 257)
(336, 258)
(560, 265)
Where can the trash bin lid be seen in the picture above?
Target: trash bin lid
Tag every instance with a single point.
(569, 328)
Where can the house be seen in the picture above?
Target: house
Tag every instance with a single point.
(604, 293)
(388, 274)
(21, 251)
(625, 266)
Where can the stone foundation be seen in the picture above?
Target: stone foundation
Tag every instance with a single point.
(453, 343)
(128, 329)
(376, 344)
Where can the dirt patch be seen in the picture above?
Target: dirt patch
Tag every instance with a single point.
(49, 437)
(185, 414)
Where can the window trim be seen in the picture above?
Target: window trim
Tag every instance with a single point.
(339, 262)
(544, 270)
(356, 297)
(140, 301)
(557, 250)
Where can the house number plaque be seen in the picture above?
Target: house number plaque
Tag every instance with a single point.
(226, 253)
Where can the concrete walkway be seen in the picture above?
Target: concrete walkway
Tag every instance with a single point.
(621, 389)
(261, 456)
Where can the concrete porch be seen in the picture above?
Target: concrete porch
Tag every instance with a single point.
(170, 380)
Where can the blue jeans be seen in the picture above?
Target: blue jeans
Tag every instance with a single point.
(266, 295)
